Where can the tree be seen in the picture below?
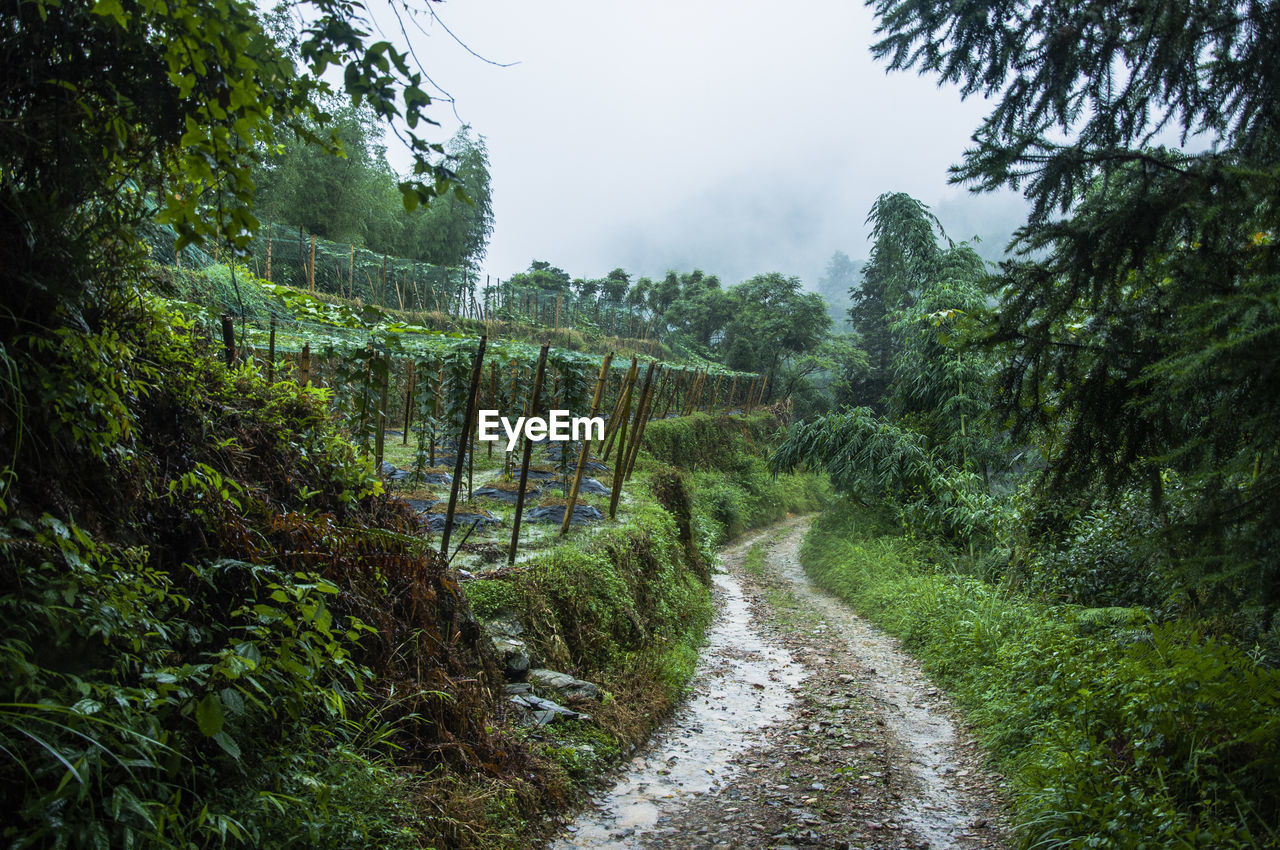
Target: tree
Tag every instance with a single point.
(772, 319)
(348, 198)
(1141, 328)
(941, 386)
(109, 108)
(543, 277)
(615, 286)
(904, 256)
(838, 279)
(700, 309)
(455, 232)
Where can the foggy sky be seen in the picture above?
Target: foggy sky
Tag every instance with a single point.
(739, 138)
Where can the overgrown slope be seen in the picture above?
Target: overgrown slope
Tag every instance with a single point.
(217, 628)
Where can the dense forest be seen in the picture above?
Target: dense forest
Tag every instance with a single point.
(243, 359)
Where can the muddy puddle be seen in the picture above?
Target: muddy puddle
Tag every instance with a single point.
(743, 683)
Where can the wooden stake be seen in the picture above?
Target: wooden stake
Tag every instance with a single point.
(528, 454)
(493, 397)
(642, 410)
(621, 411)
(311, 266)
(695, 392)
(511, 397)
(382, 288)
(435, 415)
(304, 365)
(464, 437)
(675, 392)
(380, 420)
(228, 340)
(619, 468)
(271, 354)
(586, 443)
(410, 386)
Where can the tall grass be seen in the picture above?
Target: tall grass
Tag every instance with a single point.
(1115, 732)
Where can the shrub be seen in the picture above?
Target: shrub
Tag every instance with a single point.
(1115, 732)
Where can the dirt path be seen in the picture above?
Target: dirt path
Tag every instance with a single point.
(805, 726)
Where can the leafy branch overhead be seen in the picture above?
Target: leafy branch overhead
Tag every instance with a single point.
(183, 98)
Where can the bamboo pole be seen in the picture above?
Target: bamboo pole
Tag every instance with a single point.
(511, 397)
(380, 421)
(271, 354)
(715, 393)
(527, 455)
(619, 468)
(270, 225)
(304, 365)
(435, 416)
(642, 416)
(675, 391)
(311, 266)
(410, 386)
(694, 402)
(463, 438)
(621, 411)
(493, 397)
(586, 443)
(228, 340)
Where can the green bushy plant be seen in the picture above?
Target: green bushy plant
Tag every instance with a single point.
(1115, 731)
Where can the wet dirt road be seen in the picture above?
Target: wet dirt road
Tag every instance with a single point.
(805, 726)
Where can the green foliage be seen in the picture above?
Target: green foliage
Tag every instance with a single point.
(730, 484)
(542, 276)
(880, 463)
(708, 441)
(1138, 329)
(355, 199)
(185, 622)
(1115, 732)
(107, 102)
(771, 319)
(903, 260)
(839, 277)
(488, 597)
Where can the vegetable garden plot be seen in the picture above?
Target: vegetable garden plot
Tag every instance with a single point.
(422, 389)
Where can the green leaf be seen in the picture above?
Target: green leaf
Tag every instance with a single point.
(111, 9)
(228, 744)
(232, 700)
(210, 716)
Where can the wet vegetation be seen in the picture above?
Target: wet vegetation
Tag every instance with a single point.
(1058, 475)
(239, 356)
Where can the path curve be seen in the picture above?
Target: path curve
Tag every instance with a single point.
(805, 725)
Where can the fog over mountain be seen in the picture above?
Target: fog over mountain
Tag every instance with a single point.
(738, 138)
